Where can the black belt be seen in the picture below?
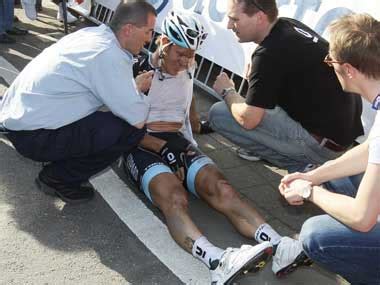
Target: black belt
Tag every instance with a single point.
(327, 143)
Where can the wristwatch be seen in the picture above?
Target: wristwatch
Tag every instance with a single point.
(306, 192)
(225, 91)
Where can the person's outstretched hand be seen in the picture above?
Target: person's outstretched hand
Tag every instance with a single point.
(144, 81)
(173, 153)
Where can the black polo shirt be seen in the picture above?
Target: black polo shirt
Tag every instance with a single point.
(287, 70)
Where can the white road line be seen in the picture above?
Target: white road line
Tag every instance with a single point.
(149, 229)
(7, 71)
(142, 222)
(20, 54)
(43, 36)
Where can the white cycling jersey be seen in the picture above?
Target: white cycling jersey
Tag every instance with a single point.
(170, 100)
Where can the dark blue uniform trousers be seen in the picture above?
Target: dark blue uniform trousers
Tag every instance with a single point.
(79, 150)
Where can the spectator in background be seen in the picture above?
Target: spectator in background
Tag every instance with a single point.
(70, 17)
(38, 5)
(6, 23)
(29, 7)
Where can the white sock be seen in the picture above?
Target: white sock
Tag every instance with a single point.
(266, 233)
(206, 251)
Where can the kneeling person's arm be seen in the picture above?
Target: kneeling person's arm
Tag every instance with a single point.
(249, 117)
(245, 115)
(360, 213)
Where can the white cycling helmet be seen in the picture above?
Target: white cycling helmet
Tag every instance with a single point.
(184, 30)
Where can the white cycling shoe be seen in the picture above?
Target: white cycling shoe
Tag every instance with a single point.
(236, 262)
(289, 256)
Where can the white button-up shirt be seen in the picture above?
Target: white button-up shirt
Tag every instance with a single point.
(72, 79)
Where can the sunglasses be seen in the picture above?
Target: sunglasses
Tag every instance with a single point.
(329, 61)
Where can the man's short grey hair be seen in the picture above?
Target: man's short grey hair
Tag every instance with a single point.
(133, 12)
(268, 7)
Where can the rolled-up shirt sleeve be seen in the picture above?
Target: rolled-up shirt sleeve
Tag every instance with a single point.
(374, 141)
(374, 150)
(114, 85)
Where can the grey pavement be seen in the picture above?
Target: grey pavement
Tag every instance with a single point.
(45, 241)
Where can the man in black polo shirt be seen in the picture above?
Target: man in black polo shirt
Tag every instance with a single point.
(295, 111)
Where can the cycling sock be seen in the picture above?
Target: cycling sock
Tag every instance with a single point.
(206, 252)
(266, 233)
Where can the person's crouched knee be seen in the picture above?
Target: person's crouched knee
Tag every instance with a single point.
(114, 131)
(216, 113)
(313, 236)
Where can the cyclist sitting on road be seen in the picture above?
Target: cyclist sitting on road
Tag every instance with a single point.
(170, 97)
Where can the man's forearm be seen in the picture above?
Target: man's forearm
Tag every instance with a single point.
(360, 213)
(352, 162)
(235, 104)
(343, 208)
(233, 98)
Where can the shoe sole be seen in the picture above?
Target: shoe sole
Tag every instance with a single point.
(301, 260)
(52, 192)
(254, 265)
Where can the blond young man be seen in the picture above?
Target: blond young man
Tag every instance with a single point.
(347, 239)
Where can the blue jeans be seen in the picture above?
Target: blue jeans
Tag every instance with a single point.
(340, 249)
(6, 15)
(277, 139)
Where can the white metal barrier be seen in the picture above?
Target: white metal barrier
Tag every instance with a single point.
(206, 71)
(315, 13)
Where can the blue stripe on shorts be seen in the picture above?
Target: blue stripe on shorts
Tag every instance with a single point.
(150, 174)
(193, 171)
